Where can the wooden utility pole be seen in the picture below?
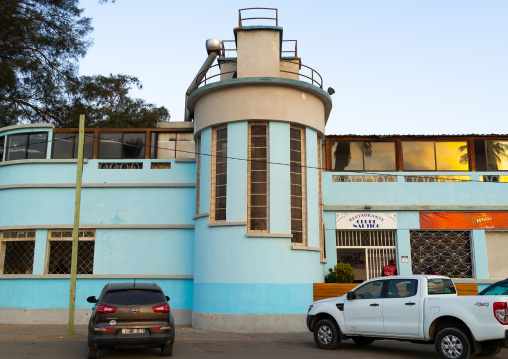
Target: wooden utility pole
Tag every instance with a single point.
(75, 231)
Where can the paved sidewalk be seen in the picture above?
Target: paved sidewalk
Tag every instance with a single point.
(52, 342)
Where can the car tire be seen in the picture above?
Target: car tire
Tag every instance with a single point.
(167, 350)
(490, 348)
(363, 341)
(93, 353)
(326, 334)
(452, 343)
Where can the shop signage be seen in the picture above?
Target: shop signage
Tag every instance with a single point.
(366, 220)
(463, 220)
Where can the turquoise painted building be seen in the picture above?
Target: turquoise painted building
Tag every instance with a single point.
(236, 212)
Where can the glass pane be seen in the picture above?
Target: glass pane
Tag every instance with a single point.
(347, 155)
(452, 156)
(134, 145)
(295, 145)
(258, 188)
(221, 191)
(296, 190)
(296, 201)
(134, 297)
(379, 156)
(258, 200)
(220, 215)
(153, 144)
(110, 145)
(258, 165)
(258, 130)
(2, 145)
(257, 224)
(370, 290)
(16, 147)
(88, 146)
(63, 144)
(295, 134)
(258, 153)
(480, 155)
(37, 144)
(418, 156)
(497, 155)
(501, 289)
(258, 176)
(258, 141)
(258, 212)
(295, 156)
(185, 136)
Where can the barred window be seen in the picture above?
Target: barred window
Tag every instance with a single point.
(298, 188)
(447, 252)
(17, 252)
(198, 171)
(60, 252)
(219, 174)
(257, 187)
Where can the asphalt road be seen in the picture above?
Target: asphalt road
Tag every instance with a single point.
(49, 341)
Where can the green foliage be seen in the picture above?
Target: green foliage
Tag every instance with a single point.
(341, 273)
(41, 42)
(106, 103)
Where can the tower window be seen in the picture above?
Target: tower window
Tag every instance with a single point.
(257, 210)
(298, 188)
(219, 173)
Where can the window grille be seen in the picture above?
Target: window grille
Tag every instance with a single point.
(60, 252)
(120, 165)
(377, 258)
(160, 165)
(219, 174)
(448, 252)
(365, 239)
(198, 171)
(298, 188)
(364, 178)
(258, 210)
(443, 178)
(17, 252)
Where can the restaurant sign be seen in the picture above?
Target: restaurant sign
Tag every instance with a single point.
(463, 220)
(366, 220)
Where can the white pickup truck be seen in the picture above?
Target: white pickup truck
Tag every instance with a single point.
(419, 308)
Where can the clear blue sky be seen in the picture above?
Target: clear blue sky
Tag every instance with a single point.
(397, 66)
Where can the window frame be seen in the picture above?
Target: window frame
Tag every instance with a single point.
(330, 156)
(51, 239)
(122, 143)
(303, 183)
(2, 147)
(249, 177)
(3, 248)
(75, 144)
(213, 176)
(27, 134)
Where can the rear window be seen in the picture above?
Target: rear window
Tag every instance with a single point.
(133, 297)
(441, 286)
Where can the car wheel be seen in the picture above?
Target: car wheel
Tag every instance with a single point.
(326, 334)
(167, 350)
(452, 343)
(93, 353)
(363, 340)
(490, 348)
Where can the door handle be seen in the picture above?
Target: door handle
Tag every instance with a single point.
(374, 305)
(410, 303)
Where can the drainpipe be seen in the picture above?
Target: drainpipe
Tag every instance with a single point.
(213, 46)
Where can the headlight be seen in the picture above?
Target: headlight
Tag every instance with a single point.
(310, 307)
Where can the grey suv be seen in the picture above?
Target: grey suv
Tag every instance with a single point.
(131, 315)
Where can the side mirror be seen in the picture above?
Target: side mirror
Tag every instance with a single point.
(167, 298)
(350, 296)
(91, 299)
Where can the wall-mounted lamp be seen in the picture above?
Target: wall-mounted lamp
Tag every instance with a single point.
(367, 206)
(330, 91)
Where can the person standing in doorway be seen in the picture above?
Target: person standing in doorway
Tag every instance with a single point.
(390, 269)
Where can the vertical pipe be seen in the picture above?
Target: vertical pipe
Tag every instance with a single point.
(75, 231)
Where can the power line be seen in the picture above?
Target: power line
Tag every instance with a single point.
(74, 135)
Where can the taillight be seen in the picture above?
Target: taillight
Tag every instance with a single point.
(105, 309)
(501, 312)
(163, 308)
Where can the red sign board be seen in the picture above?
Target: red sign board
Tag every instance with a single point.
(463, 220)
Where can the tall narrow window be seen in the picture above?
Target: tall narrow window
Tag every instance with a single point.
(298, 188)
(2, 145)
(257, 210)
(219, 174)
(320, 199)
(198, 170)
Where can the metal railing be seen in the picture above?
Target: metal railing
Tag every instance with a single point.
(240, 18)
(315, 78)
(224, 50)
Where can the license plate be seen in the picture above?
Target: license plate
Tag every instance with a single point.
(133, 331)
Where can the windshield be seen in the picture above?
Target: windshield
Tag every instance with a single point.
(500, 289)
(441, 286)
(133, 297)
